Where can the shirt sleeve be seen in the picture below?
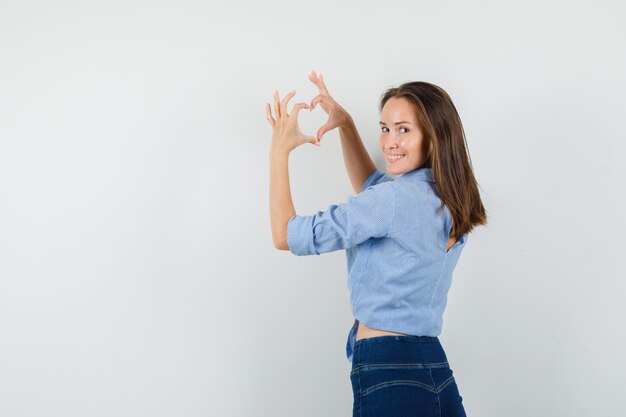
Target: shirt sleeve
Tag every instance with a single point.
(368, 214)
(376, 177)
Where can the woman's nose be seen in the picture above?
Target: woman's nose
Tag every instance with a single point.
(390, 141)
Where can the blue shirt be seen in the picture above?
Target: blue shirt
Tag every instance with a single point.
(395, 233)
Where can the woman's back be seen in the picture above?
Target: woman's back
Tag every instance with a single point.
(400, 282)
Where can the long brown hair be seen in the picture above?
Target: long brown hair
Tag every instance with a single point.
(447, 154)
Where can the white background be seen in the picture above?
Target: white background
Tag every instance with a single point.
(137, 271)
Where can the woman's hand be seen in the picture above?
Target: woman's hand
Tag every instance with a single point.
(287, 135)
(336, 114)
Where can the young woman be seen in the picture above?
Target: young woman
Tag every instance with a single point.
(403, 238)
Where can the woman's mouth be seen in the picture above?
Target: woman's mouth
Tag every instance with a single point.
(395, 158)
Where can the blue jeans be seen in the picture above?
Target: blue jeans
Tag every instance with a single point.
(403, 376)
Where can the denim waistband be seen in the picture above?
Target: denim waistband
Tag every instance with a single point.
(395, 349)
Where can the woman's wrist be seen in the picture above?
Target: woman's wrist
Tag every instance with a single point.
(279, 151)
(346, 119)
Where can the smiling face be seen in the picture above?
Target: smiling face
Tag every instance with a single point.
(401, 139)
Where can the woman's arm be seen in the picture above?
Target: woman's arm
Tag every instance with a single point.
(286, 136)
(281, 203)
(358, 162)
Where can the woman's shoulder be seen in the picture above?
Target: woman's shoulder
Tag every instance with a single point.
(377, 177)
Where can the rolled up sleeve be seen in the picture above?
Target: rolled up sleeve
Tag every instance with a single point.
(299, 239)
(366, 215)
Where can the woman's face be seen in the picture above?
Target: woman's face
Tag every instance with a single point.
(401, 138)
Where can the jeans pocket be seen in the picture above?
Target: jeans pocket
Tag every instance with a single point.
(395, 389)
(376, 377)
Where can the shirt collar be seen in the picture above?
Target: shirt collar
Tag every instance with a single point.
(419, 174)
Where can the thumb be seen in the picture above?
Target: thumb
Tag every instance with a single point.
(325, 128)
(313, 140)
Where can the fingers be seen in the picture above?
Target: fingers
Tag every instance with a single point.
(297, 108)
(316, 100)
(268, 110)
(276, 105)
(280, 107)
(283, 104)
(325, 90)
(319, 82)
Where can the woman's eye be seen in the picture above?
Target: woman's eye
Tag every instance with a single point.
(406, 130)
(383, 128)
